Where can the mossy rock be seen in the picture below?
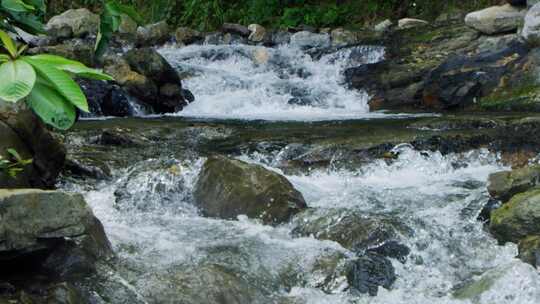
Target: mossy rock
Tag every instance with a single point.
(518, 218)
(503, 185)
(228, 188)
(529, 250)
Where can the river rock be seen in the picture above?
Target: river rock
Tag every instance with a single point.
(26, 133)
(234, 28)
(153, 34)
(305, 40)
(341, 37)
(531, 28)
(73, 23)
(503, 185)
(76, 49)
(168, 95)
(106, 99)
(371, 271)
(529, 250)
(518, 218)
(352, 229)
(127, 28)
(257, 33)
(228, 188)
(408, 23)
(186, 35)
(496, 19)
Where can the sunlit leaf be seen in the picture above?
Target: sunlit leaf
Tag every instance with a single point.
(17, 80)
(8, 43)
(72, 66)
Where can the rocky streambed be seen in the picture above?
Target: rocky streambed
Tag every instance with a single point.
(370, 211)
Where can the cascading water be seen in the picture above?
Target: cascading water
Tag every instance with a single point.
(170, 254)
(283, 83)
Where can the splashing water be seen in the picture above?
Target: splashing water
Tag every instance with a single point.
(437, 196)
(284, 83)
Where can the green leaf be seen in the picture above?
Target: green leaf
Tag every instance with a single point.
(105, 33)
(27, 22)
(61, 81)
(38, 4)
(15, 154)
(53, 108)
(72, 66)
(8, 43)
(18, 79)
(4, 58)
(17, 6)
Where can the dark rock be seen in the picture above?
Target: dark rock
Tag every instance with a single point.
(76, 49)
(88, 168)
(485, 213)
(47, 152)
(106, 99)
(153, 34)
(238, 29)
(228, 188)
(371, 271)
(517, 2)
(122, 138)
(392, 249)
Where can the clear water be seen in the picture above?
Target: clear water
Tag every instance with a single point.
(157, 230)
(252, 82)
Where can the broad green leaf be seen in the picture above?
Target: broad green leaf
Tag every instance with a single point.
(17, 80)
(27, 22)
(72, 66)
(17, 6)
(8, 43)
(38, 5)
(105, 33)
(4, 58)
(53, 108)
(61, 81)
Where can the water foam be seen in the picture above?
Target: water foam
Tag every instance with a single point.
(284, 83)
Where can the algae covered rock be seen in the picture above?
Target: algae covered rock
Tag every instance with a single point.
(518, 218)
(503, 185)
(529, 250)
(228, 188)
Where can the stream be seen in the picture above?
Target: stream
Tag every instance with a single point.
(276, 107)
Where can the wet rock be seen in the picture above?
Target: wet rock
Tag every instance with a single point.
(342, 37)
(280, 37)
(234, 28)
(352, 229)
(392, 249)
(73, 23)
(76, 49)
(384, 26)
(504, 185)
(214, 39)
(496, 19)
(47, 152)
(122, 138)
(127, 29)
(88, 167)
(228, 188)
(409, 23)
(371, 271)
(518, 218)
(305, 40)
(188, 36)
(487, 210)
(531, 28)
(10, 140)
(106, 99)
(159, 78)
(257, 33)
(529, 250)
(153, 34)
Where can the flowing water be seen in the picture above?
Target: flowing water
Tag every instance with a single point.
(169, 253)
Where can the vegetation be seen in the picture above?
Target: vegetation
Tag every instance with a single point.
(25, 15)
(210, 14)
(44, 82)
(15, 164)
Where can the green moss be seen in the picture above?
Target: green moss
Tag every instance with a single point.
(522, 98)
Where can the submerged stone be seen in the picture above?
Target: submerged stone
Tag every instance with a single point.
(370, 272)
(228, 188)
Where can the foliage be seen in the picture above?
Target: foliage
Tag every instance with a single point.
(45, 82)
(111, 18)
(24, 14)
(15, 164)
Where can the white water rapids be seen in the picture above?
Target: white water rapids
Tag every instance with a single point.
(157, 230)
(284, 83)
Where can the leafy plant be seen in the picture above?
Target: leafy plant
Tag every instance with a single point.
(111, 18)
(24, 14)
(15, 164)
(45, 82)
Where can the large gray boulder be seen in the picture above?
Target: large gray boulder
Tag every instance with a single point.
(496, 19)
(503, 185)
(518, 218)
(531, 28)
(73, 23)
(228, 188)
(153, 34)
